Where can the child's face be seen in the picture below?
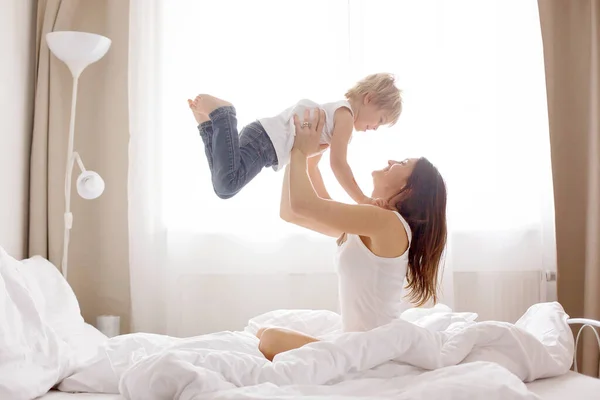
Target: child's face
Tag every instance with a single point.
(369, 117)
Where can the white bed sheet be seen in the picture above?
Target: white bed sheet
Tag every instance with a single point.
(568, 386)
(56, 395)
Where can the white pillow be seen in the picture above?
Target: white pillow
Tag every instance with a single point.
(53, 295)
(60, 308)
(32, 356)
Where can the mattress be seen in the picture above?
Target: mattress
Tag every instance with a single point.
(568, 386)
(55, 395)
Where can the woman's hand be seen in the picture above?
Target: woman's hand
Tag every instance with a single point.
(308, 132)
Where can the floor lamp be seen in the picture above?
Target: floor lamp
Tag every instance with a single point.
(77, 50)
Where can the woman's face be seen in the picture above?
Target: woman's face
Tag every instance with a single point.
(389, 180)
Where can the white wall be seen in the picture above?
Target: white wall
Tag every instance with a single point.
(17, 46)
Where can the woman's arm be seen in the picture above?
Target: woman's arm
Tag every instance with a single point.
(286, 213)
(365, 220)
(316, 178)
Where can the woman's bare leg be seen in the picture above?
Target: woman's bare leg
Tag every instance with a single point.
(278, 340)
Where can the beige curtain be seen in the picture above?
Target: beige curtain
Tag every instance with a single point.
(571, 35)
(98, 261)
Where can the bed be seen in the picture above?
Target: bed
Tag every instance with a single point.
(570, 385)
(427, 353)
(56, 395)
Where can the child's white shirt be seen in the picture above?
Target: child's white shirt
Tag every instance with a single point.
(281, 131)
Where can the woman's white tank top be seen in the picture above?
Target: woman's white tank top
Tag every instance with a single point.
(281, 131)
(371, 287)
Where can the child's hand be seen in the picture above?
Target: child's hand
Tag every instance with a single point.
(366, 200)
(375, 202)
(380, 203)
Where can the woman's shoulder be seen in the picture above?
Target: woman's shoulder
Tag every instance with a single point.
(392, 241)
(398, 225)
(389, 222)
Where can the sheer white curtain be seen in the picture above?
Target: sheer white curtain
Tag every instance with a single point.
(147, 231)
(475, 105)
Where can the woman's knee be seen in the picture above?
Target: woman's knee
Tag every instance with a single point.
(273, 341)
(260, 331)
(268, 338)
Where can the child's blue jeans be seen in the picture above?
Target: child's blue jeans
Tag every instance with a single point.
(234, 159)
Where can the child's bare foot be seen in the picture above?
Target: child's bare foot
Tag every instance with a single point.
(204, 104)
(208, 103)
(198, 114)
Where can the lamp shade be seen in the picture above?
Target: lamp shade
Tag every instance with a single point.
(90, 185)
(77, 49)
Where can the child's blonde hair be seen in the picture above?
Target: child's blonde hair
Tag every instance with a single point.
(384, 91)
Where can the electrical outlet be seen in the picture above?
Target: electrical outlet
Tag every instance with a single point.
(550, 276)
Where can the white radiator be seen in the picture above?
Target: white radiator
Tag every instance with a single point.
(500, 295)
(205, 303)
(202, 303)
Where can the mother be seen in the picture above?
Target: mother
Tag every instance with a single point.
(379, 247)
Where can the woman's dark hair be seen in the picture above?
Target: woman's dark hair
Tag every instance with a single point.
(422, 202)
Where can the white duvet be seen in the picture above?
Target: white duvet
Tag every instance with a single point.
(427, 354)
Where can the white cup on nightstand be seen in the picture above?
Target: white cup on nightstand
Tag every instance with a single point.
(110, 325)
